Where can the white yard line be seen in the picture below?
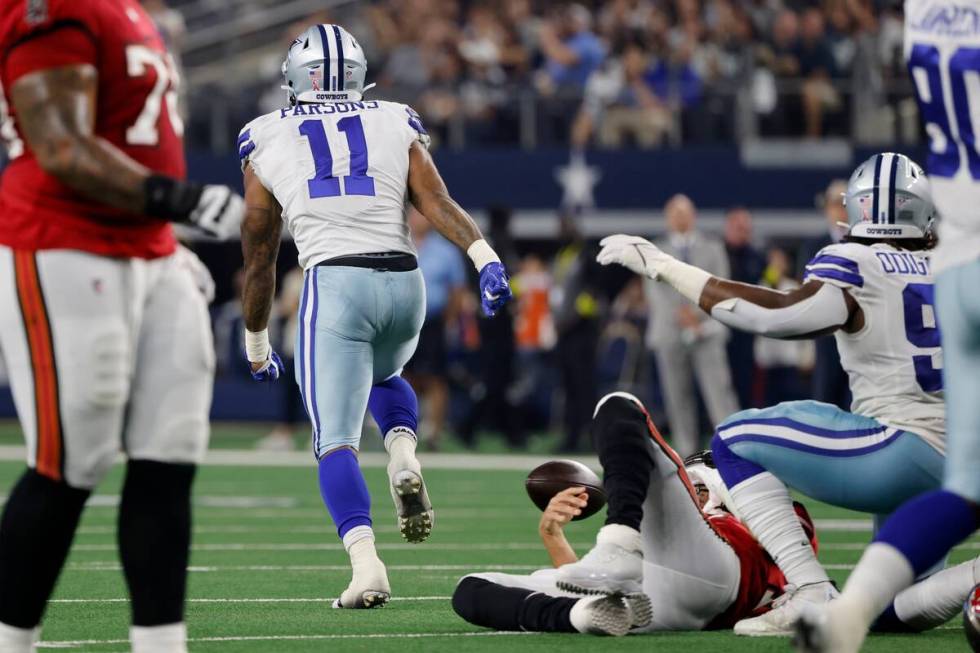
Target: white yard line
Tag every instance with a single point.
(337, 546)
(249, 600)
(253, 458)
(280, 638)
(115, 566)
(859, 546)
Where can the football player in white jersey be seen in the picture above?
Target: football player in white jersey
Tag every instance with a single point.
(942, 46)
(874, 292)
(338, 170)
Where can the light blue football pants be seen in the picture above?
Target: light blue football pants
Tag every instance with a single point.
(958, 305)
(357, 327)
(828, 454)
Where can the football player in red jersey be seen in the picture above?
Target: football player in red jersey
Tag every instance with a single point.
(102, 326)
(670, 557)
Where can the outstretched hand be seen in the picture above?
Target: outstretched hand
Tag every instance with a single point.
(638, 254)
(563, 507)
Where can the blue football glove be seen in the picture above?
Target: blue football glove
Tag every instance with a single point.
(270, 371)
(494, 288)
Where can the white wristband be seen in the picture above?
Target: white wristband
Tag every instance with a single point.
(481, 254)
(687, 279)
(257, 347)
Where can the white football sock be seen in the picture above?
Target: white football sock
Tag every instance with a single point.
(937, 599)
(171, 638)
(400, 443)
(18, 640)
(764, 505)
(578, 615)
(624, 536)
(879, 576)
(356, 535)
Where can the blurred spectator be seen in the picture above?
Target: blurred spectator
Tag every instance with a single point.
(285, 311)
(830, 383)
(747, 264)
(571, 50)
(445, 285)
(818, 67)
(627, 101)
(687, 343)
(228, 325)
(782, 362)
(575, 307)
(534, 330)
(492, 405)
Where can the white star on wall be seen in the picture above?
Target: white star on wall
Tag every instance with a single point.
(578, 179)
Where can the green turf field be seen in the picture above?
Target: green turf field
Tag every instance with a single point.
(266, 563)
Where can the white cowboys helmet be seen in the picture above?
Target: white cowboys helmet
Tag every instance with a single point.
(325, 64)
(889, 196)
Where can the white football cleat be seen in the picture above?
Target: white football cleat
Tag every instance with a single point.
(607, 569)
(415, 514)
(786, 610)
(368, 588)
(824, 629)
(612, 615)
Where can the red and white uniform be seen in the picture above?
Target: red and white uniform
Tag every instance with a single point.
(701, 571)
(103, 331)
(136, 110)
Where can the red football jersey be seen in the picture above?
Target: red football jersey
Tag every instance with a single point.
(136, 111)
(761, 579)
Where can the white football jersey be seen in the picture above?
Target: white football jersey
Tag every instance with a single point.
(941, 46)
(340, 172)
(895, 361)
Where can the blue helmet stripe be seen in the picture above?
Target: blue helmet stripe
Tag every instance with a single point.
(340, 58)
(874, 203)
(326, 53)
(891, 189)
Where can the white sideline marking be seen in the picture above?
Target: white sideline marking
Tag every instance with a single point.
(253, 458)
(325, 546)
(861, 546)
(269, 600)
(239, 530)
(475, 567)
(844, 525)
(274, 638)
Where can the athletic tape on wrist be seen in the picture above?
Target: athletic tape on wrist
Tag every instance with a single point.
(257, 347)
(482, 254)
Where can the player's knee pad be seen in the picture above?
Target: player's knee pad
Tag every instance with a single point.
(183, 439)
(110, 361)
(86, 469)
(154, 538)
(326, 445)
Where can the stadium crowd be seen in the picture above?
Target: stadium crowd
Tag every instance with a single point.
(640, 72)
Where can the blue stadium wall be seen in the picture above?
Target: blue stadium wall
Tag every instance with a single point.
(782, 179)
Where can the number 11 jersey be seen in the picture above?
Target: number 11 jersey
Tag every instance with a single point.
(135, 110)
(340, 172)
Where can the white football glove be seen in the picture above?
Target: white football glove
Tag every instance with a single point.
(219, 212)
(638, 254)
(643, 257)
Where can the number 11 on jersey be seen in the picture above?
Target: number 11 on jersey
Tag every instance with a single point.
(324, 184)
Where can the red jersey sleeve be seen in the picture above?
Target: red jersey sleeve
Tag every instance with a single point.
(67, 44)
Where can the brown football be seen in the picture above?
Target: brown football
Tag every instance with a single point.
(547, 480)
